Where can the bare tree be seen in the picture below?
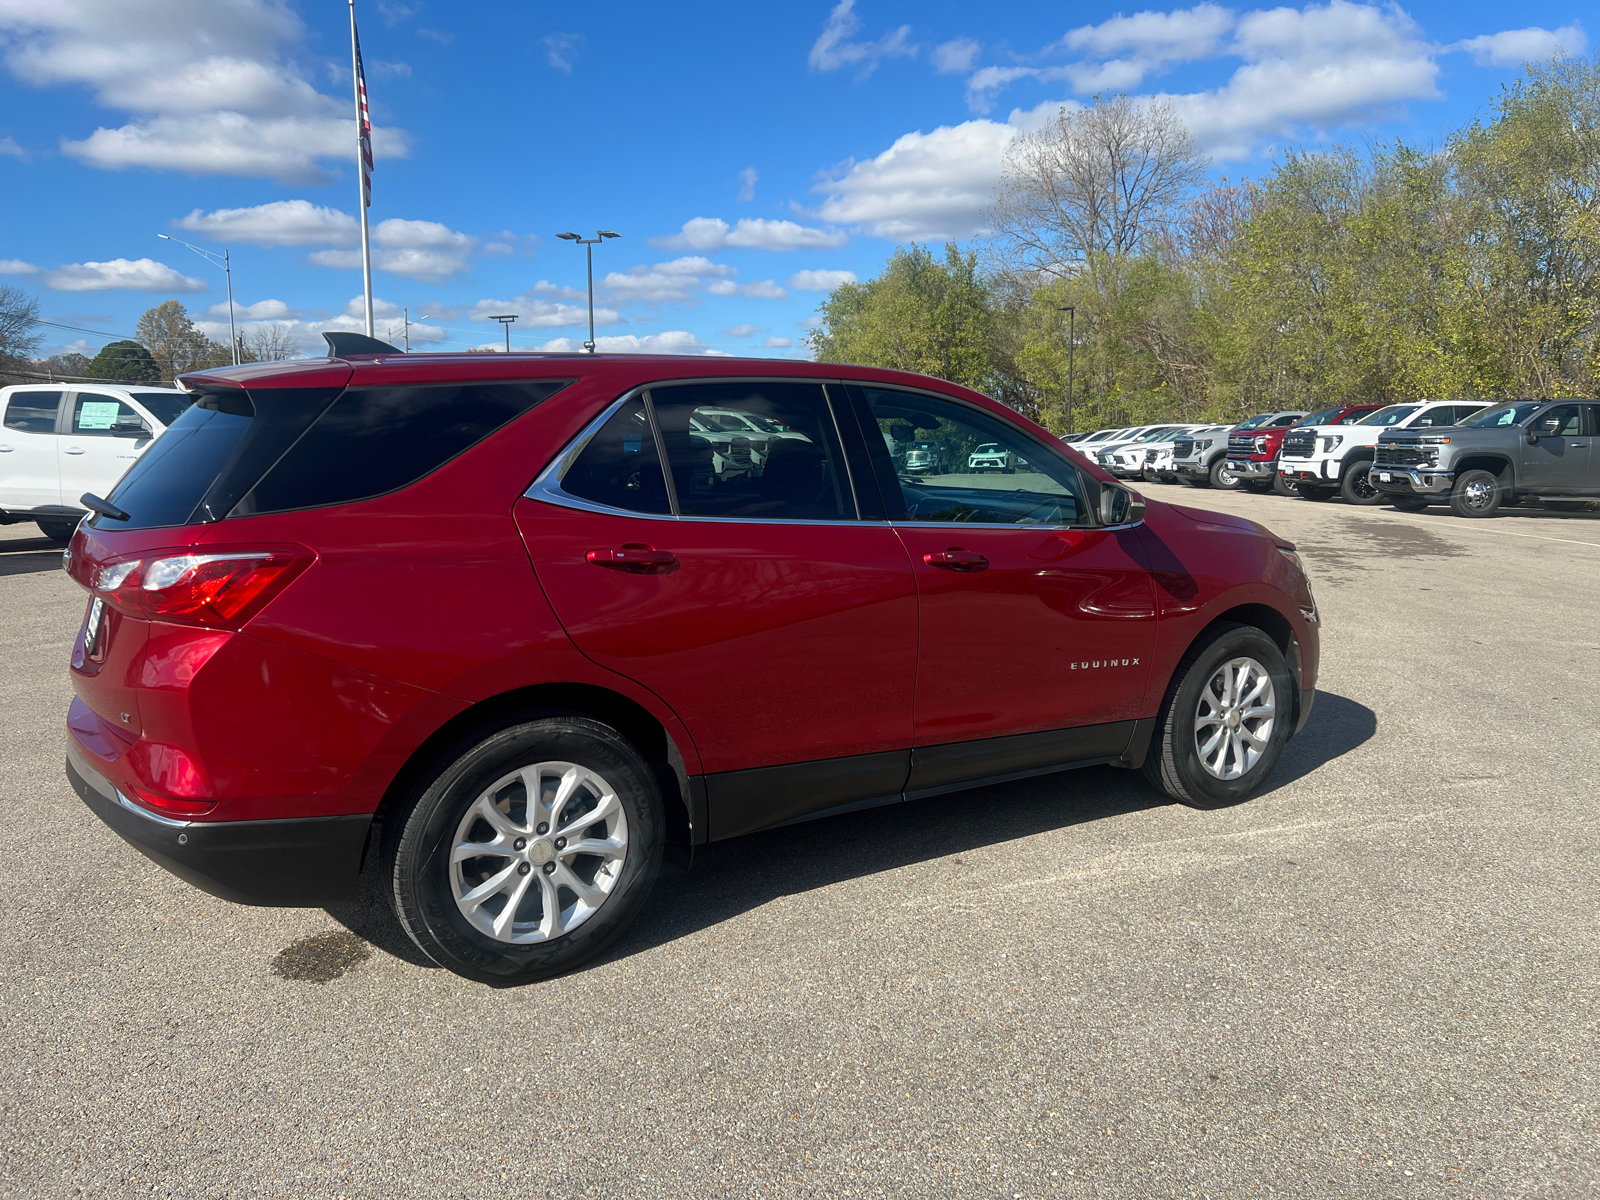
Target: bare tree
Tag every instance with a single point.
(270, 343)
(19, 312)
(1094, 183)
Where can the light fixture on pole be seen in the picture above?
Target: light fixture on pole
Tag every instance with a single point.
(1072, 346)
(588, 245)
(227, 272)
(505, 320)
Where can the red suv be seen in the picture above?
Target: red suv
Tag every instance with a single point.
(514, 625)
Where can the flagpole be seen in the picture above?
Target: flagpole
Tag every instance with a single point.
(361, 171)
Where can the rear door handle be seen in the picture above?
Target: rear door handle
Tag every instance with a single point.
(956, 559)
(634, 558)
(73, 450)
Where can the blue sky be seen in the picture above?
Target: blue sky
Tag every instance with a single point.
(751, 156)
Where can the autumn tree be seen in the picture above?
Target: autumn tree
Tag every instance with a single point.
(170, 335)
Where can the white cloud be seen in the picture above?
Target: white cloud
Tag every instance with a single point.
(747, 185)
(741, 331)
(1513, 47)
(140, 275)
(778, 343)
(713, 233)
(280, 223)
(834, 49)
(560, 49)
(261, 310)
(673, 341)
(926, 186)
(422, 250)
(15, 266)
(536, 310)
(820, 281)
(9, 146)
(765, 289)
(212, 88)
(954, 57)
(1179, 36)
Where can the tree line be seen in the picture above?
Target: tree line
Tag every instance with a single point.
(1471, 269)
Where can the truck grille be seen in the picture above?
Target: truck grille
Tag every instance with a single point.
(1182, 448)
(1401, 454)
(1299, 443)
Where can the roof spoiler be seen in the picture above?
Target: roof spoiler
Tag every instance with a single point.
(357, 345)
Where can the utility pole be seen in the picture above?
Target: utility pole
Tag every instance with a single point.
(588, 245)
(227, 273)
(1072, 347)
(505, 320)
(406, 311)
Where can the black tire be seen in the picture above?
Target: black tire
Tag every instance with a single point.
(1258, 487)
(1221, 478)
(1408, 503)
(1174, 762)
(1356, 487)
(1282, 486)
(1476, 494)
(1308, 492)
(1190, 481)
(59, 532)
(420, 836)
(1567, 505)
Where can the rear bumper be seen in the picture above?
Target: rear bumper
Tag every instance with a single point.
(1409, 481)
(306, 862)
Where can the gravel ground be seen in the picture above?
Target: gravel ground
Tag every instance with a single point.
(1376, 979)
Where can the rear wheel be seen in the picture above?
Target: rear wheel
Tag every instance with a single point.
(1356, 485)
(1222, 478)
(1309, 492)
(529, 851)
(1225, 721)
(59, 532)
(1476, 494)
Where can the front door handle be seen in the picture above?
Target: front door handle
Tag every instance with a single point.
(634, 558)
(956, 559)
(73, 450)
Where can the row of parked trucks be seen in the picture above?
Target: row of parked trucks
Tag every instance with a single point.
(1474, 455)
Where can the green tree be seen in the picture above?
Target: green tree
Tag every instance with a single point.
(177, 346)
(124, 362)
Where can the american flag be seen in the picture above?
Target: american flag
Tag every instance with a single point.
(364, 120)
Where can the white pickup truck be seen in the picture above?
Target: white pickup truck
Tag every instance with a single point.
(58, 441)
(1325, 460)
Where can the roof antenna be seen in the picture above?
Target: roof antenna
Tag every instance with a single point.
(357, 345)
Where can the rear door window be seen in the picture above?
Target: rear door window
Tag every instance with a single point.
(95, 414)
(619, 466)
(33, 412)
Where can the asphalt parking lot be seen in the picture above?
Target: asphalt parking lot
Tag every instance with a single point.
(1376, 979)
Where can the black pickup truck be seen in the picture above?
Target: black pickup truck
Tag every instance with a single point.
(1543, 449)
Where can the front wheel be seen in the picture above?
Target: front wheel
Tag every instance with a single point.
(1226, 719)
(1221, 478)
(529, 851)
(1476, 494)
(1284, 486)
(1356, 486)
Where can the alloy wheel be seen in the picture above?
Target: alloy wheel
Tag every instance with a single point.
(538, 852)
(1234, 719)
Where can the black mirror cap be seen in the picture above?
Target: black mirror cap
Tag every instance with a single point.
(1120, 505)
(357, 345)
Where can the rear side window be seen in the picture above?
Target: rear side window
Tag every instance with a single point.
(620, 467)
(376, 440)
(97, 415)
(33, 412)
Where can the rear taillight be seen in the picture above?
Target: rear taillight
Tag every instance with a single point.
(170, 805)
(220, 589)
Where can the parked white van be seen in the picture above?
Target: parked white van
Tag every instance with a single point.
(58, 441)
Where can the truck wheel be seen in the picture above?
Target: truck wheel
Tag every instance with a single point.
(1409, 503)
(1226, 719)
(528, 851)
(59, 532)
(1281, 486)
(1356, 487)
(1222, 478)
(1476, 494)
(1308, 492)
(1256, 486)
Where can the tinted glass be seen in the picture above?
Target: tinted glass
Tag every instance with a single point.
(724, 463)
(375, 440)
(1566, 419)
(33, 412)
(1435, 417)
(97, 415)
(164, 406)
(1285, 421)
(933, 444)
(1255, 422)
(1349, 418)
(620, 467)
(1325, 417)
(1392, 415)
(1505, 414)
(167, 483)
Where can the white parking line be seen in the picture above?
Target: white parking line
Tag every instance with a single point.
(1499, 532)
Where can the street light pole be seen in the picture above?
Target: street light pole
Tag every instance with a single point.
(1072, 348)
(589, 244)
(505, 320)
(227, 272)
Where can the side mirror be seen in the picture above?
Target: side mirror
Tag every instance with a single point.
(1533, 437)
(1120, 505)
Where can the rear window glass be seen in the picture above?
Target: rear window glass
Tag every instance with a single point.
(376, 440)
(33, 412)
(169, 480)
(163, 406)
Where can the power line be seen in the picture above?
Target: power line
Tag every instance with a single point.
(115, 337)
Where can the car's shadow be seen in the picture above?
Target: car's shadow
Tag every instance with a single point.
(734, 877)
(28, 556)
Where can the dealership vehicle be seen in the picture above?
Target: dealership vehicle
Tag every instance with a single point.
(1253, 452)
(1080, 440)
(1333, 458)
(488, 619)
(1128, 461)
(922, 458)
(1528, 449)
(58, 441)
(991, 456)
(1200, 459)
